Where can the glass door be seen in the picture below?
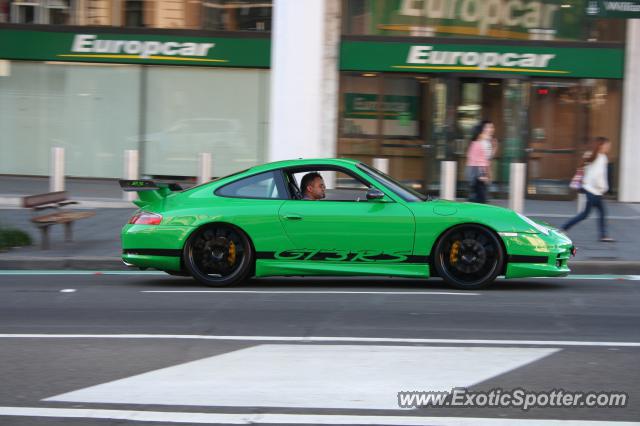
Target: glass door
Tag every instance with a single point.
(557, 127)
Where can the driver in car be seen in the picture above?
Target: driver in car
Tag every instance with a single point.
(313, 187)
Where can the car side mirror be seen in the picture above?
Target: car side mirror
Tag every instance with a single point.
(374, 194)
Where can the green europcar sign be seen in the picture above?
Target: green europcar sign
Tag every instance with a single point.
(592, 62)
(92, 46)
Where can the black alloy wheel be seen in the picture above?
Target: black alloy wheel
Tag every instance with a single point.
(218, 255)
(469, 257)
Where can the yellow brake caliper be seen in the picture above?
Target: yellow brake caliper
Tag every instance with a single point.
(453, 255)
(232, 253)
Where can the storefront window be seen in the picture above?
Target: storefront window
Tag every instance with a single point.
(565, 116)
(194, 110)
(547, 20)
(91, 110)
(414, 122)
(382, 119)
(215, 15)
(97, 111)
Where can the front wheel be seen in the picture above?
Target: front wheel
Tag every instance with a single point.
(468, 257)
(218, 255)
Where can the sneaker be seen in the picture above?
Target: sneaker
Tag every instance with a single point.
(607, 240)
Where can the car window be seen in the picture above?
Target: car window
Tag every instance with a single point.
(263, 185)
(340, 186)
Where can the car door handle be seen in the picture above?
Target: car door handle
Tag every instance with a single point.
(292, 217)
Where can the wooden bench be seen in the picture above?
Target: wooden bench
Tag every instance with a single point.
(43, 220)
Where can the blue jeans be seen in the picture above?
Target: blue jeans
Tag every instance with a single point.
(592, 201)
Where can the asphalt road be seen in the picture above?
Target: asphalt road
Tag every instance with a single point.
(103, 349)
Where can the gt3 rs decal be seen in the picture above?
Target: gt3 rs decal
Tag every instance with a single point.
(327, 255)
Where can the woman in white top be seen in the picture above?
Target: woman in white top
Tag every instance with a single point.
(595, 185)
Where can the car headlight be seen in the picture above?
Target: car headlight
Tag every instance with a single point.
(543, 229)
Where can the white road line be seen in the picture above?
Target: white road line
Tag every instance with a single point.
(275, 418)
(305, 339)
(439, 293)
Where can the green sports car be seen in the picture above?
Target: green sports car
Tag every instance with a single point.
(258, 223)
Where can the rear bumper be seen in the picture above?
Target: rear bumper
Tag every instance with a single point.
(154, 246)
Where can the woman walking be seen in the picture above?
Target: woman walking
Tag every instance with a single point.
(479, 155)
(595, 185)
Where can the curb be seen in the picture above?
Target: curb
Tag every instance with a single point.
(62, 263)
(582, 267)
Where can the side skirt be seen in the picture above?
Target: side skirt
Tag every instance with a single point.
(268, 268)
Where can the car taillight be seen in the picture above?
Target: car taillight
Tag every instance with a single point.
(145, 218)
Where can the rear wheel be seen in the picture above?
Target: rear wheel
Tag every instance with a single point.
(469, 257)
(218, 255)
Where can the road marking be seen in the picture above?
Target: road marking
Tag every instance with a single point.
(311, 376)
(275, 418)
(68, 290)
(312, 339)
(440, 293)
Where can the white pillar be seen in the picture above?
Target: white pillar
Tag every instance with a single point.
(448, 170)
(629, 190)
(56, 169)
(130, 171)
(304, 79)
(204, 167)
(517, 178)
(381, 164)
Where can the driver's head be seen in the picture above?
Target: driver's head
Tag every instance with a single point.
(312, 186)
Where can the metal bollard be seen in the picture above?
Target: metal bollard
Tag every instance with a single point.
(582, 202)
(130, 171)
(204, 167)
(56, 169)
(448, 170)
(517, 177)
(381, 164)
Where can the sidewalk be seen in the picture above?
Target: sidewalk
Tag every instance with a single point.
(96, 240)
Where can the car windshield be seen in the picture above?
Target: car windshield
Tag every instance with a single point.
(398, 188)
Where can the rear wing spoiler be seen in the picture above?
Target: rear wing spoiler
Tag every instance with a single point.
(147, 185)
(148, 190)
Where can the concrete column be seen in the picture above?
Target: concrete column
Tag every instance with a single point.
(517, 180)
(629, 190)
(130, 171)
(56, 169)
(448, 172)
(304, 79)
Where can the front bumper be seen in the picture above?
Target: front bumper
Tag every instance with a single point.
(537, 255)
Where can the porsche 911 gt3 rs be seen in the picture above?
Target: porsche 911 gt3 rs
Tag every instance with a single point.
(255, 223)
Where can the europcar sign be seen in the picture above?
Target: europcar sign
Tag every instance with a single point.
(135, 48)
(592, 62)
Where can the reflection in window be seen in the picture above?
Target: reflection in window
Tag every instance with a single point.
(548, 20)
(264, 185)
(134, 13)
(236, 15)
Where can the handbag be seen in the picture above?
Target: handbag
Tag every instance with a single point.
(576, 181)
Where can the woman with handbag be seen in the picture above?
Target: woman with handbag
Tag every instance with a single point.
(595, 185)
(479, 154)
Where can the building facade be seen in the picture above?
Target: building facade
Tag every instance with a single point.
(252, 81)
